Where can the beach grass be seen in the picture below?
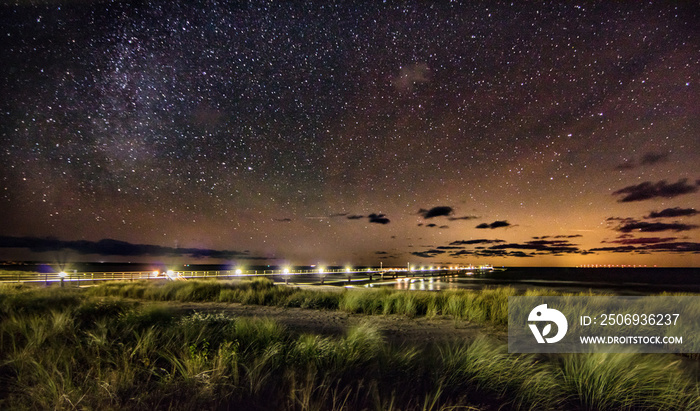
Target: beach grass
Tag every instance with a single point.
(485, 306)
(93, 349)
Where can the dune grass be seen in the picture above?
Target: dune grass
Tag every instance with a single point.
(76, 349)
(486, 306)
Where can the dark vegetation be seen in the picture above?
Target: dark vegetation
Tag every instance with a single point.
(64, 348)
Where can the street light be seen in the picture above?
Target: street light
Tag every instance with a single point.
(286, 275)
(321, 271)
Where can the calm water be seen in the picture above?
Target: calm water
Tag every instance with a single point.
(615, 280)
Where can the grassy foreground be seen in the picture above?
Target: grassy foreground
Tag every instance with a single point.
(76, 349)
(485, 306)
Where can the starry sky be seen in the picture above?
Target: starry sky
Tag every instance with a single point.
(533, 134)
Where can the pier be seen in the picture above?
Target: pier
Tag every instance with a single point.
(316, 276)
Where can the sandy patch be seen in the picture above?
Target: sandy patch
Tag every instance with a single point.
(397, 329)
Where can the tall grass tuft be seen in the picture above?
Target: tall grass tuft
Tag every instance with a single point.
(522, 381)
(628, 381)
(326, 300)
(28, 300)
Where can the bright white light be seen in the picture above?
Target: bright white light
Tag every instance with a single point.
(286, 270)
(62, 274)
(239, 271)
(171, 274)
(347, 269)
(156, 273)
(321, 270)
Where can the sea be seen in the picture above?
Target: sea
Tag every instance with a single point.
(618, 281)
(615, 280)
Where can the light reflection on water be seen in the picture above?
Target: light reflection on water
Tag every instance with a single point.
(428, 284)
(622, 282)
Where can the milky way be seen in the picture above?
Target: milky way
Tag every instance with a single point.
(527, 134)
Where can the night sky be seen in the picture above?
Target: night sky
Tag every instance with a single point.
(538, 134)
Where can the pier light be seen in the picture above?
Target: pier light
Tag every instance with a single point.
(286, 270)
(348, 269)
(171, 274)
(239, 271)
(62, 274)
(321, 270)
(156, 273)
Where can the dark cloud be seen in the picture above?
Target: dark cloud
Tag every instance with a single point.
(519, 254)
(620, 219)
(648, 190)
(648, 159)
(444, 226)
(681, 247)
(440, 211)
(466, 217)
(381, 253)
(499, 248)
(619, 249)
(557, 236)
(541, 246)
(428, 253)
(355, 217)
(491, 253)
(447, 247)
(283, 220)
(479, 241)
(653, 158)
(378, 219)
(645, 227)
(646, 240)
(663, 247)
(672, 212)
(431, 225)
(626, 166)
(109, 247)
(462, 253)
(495, 224)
